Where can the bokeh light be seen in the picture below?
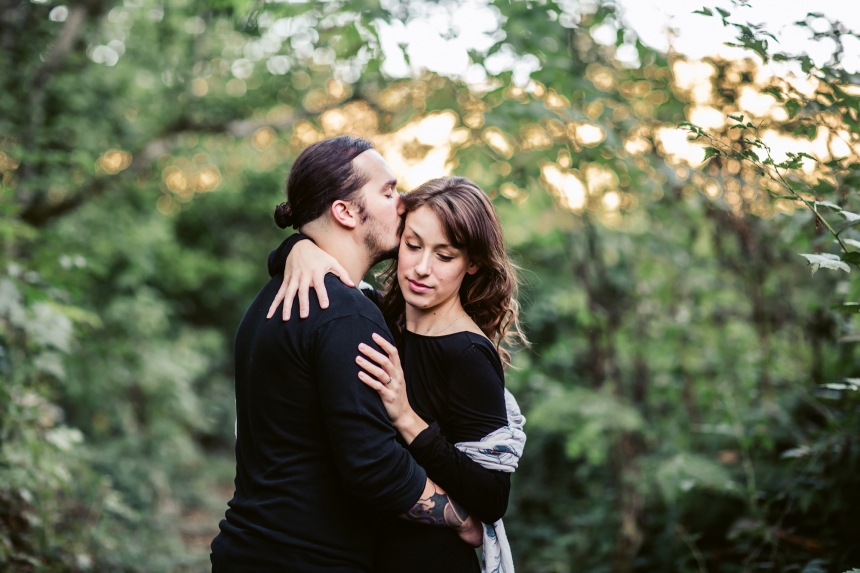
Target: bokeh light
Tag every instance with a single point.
(114, 160)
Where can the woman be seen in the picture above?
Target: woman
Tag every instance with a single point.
(450, 304)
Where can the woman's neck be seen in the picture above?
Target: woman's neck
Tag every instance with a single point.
(444, 318)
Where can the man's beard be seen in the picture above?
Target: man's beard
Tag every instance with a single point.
(378, 250)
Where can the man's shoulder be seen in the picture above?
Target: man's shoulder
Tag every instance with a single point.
(345, 302)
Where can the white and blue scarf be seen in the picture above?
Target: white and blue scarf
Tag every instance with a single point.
(499, 451)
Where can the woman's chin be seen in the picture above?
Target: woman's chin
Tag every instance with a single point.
(417, 301)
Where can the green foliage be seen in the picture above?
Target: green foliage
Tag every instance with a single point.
(589, 420)
(691, 393)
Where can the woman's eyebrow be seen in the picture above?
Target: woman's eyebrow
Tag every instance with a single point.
(440, 245)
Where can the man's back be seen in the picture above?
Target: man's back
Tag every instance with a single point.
(316, 458)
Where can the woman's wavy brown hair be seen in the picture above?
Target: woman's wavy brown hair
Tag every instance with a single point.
(470, 222)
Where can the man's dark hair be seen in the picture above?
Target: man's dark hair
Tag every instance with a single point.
(322, 174)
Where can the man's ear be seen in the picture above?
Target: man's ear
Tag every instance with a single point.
(345, 213)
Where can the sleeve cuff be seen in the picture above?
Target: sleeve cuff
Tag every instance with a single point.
(429, 436)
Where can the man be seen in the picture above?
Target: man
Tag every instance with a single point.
(317, 461)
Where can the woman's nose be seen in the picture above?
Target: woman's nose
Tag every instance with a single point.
(423, 266)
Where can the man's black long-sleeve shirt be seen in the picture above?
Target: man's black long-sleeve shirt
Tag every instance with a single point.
(317, 461)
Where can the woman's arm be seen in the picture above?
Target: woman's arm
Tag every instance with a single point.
(484, 492)
(479, 408)
(306, 267)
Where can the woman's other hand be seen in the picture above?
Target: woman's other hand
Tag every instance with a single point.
(383, 373)
(306, 268)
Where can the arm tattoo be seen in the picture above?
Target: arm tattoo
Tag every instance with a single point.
(437, 509)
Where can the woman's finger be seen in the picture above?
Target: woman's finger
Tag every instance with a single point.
(304, 299)
(289, 296)
(372, 369)
(278, 298)
(372, 382)
(341, 273)
(318, 283)
(377, 357)
(389, 348)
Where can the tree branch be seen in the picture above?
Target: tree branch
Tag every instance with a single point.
(63, 46)
(56, 56)
(39, 211)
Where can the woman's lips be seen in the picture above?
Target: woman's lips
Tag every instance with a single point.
(417, 287)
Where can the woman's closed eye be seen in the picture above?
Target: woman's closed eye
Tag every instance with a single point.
(442, 257)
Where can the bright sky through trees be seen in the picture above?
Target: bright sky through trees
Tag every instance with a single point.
(439, 36)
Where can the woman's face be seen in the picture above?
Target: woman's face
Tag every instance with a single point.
(429, 270)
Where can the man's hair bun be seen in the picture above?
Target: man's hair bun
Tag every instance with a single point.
(284, 215)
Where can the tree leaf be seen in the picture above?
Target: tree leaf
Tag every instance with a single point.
(827, 261)
(775, 91)
(828, 204)
(847, 226)
(852, 257)
(711, 151)
(850, 216)
(704, 11)
(852, 242)
(847, 307)
(823, 187)
(807, 130)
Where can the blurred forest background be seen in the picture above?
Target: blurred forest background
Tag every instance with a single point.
(691, 394)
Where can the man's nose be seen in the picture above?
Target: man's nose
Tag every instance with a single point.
(401, 207)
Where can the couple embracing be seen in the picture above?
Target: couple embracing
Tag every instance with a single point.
(374, 431)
